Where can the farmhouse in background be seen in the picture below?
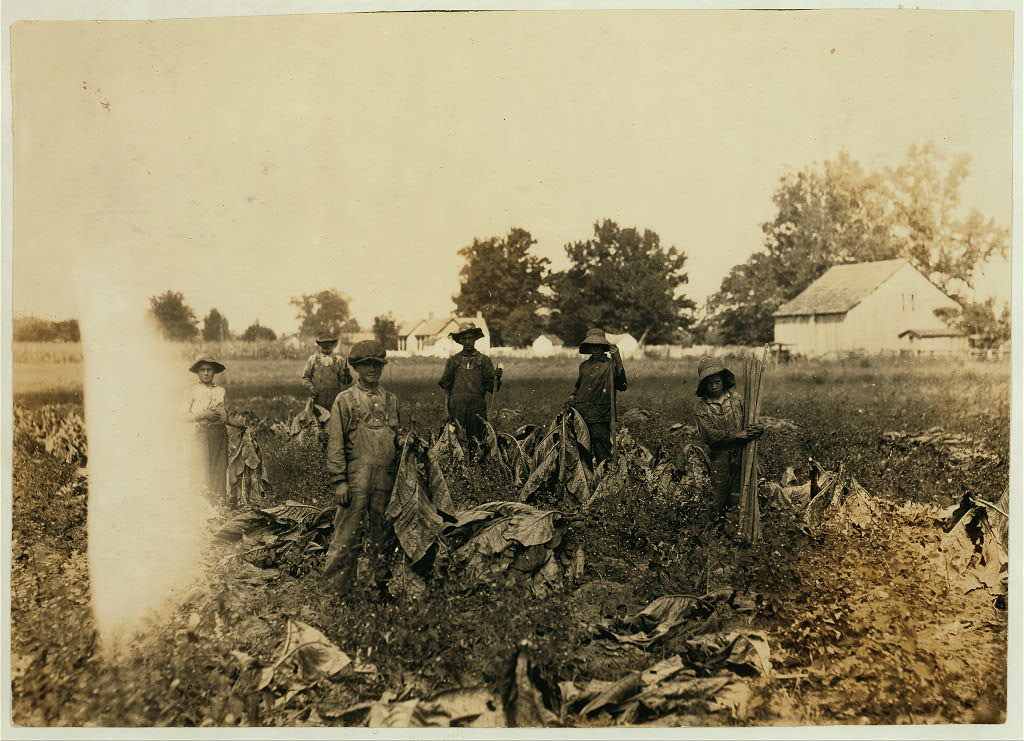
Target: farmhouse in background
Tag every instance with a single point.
(430, 336)
(868, 307)
(544, 346)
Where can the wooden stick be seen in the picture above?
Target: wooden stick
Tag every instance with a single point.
(611, 389)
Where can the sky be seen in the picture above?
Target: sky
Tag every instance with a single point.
(243, 161)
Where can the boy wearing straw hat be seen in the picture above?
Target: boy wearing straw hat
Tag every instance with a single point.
(205, 408)
(325, 373)
(467, 379)
(361, 461)
(719, 416)
(592, 396)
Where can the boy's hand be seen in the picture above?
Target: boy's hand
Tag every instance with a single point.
(614, 350)
(753, 432)
(341, 494)
(498, 372)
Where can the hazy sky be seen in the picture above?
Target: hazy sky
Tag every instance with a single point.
(243, 161)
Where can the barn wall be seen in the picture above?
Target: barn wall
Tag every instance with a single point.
(906, 301)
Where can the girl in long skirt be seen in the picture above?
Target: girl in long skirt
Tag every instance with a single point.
(205, 408)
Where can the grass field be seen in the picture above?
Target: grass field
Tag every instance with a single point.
(838, 609)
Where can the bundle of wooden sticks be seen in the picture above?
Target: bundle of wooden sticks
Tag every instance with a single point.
(750, 513)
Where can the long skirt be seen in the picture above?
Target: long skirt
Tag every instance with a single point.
(211, 451)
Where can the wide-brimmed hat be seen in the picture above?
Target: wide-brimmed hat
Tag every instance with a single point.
(465, 329)
(326, 339)
(209, 360)
(709, 366)
(367, 351)
(595, 338)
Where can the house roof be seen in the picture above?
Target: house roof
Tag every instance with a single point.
(926, 333)
(618, 338)
(405, 328)
(550, 338)
(841, 288)
(432, 327)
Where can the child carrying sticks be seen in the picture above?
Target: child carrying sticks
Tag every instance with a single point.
(719, 415)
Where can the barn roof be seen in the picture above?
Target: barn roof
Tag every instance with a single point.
(550, 338)
(841, 288)
(928, 333)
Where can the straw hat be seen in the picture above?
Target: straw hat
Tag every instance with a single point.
(595, 338)
(209, 360)
(367, 351)
(467, 328)
(709, 366)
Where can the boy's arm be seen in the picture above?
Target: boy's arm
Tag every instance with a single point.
(307, 375)
(487, 375)
(448, 375)
(337, 428)
(220, 408)
(576, 388)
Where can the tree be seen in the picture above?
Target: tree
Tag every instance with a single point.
(386, 331)
(838, 213)
(215, 327)
(325, 312)
(621, 280)
(175, 318)
(256, 332)
(501, 278)
(979, 321)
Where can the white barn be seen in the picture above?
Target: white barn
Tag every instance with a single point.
(544, 346)
(864, 307)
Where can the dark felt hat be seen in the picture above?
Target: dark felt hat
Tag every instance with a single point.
(326, 339)
(367, 351)
(467, 329)
(709, 366)
(209, 360)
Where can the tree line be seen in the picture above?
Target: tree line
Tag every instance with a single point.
(625, 280)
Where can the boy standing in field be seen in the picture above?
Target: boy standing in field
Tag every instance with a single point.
(719, 416)
(467, 378)
(599, 377)
(325, 374)
(361, 460)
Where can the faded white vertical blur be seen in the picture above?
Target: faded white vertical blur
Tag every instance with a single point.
(146, 526)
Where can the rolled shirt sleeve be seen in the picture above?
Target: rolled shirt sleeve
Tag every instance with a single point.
(487, 374)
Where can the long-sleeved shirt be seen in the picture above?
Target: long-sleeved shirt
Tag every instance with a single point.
(325, 372)
(468, 374)
(719, 419)
(203, 398)
(358, 405)
(592, 396)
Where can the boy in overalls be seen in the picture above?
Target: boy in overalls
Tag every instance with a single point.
(361, 460)
(325, 374)
(719, 416)
(467, 378)
(600, 375)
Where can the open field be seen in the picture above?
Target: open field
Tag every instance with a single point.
(861, 626)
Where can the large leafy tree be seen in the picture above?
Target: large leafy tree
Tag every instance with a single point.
(621, 280)
(175, 318)
(502, 280)
(385, 329)
(215, 327)
(325, 312)
(838, 213)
